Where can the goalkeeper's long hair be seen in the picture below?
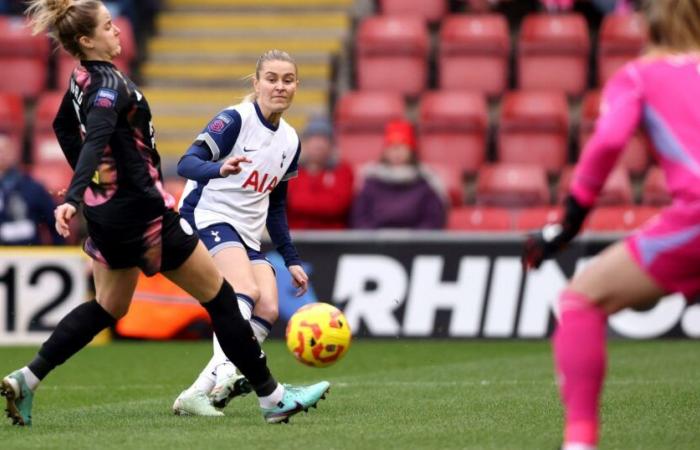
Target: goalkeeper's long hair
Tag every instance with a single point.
(674, 25)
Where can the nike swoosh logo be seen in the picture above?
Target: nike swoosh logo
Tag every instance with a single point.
(250, 149)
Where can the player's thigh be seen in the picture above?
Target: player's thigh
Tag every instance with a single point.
(268, 305)
(198, 275)
(237, 269)
(615, 281)
(114, 288)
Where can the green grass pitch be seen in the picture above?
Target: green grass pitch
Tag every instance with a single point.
(393, 394)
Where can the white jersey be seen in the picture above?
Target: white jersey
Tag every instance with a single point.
(242, 200)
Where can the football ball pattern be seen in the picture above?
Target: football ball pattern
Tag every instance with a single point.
(318, 334)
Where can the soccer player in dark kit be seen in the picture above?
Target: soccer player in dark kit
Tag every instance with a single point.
(104, 128)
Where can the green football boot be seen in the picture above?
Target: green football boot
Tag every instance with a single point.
(295, 400)
(19, 398)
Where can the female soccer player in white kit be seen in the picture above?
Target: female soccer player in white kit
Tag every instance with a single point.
(238, 169)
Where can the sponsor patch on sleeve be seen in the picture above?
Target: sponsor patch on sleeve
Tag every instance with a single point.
(219, 123)
(106, 98)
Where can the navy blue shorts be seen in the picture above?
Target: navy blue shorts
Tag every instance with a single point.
(222, 235)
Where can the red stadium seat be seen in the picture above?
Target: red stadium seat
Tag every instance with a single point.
(474, 52)
(534, 129)
(451, 178)
(360, 118)
(392, 54)
(55, 176)
(617, 219)
(16, 39)
(11, 113)
(617, 190)
(636, 155)
(512, 185)
(24, 76)
(45, 148)
(553, 53)
(529, 219)
(23, 57)
(479, 219)
(622, 38)
(430, 10)
(12, 119)
(654, 189)
(453, 129)
(45, 111)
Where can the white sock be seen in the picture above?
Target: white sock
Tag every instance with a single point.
(578, 446)
(218, 351)
(224, 371)
(30, 378)
(270, 401)
(223, 368)
(245, 304)
(207, 378)
(261, 328)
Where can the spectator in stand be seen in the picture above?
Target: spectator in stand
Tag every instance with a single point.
(25, 206)
(603, 6)
(321, 196)
(398, 191)
(558, 5)
(513, 10)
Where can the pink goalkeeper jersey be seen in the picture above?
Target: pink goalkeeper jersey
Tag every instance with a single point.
(662, 94)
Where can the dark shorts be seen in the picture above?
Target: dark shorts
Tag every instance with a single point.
(222, 235)
(158, 246)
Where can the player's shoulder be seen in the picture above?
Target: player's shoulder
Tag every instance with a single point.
(242, 110)
(289, 132)
(228, 118)
(107, 77)
(627, 78)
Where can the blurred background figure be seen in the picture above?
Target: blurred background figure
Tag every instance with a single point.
(608, 6)
(558, 5)
(398, 192)
(26, 209)
(321, 196)
(603, 6)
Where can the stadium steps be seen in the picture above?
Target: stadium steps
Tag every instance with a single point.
(260, 5)
(180, 114)
(324, 25)
(205, 51)
(226, 75)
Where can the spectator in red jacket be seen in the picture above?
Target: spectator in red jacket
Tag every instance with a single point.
(398, 191)
(321, 196)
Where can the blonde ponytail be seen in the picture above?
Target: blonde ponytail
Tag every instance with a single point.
(44, 14)
(64, 20)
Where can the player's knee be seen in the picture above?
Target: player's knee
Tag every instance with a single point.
(115, 309)
(267, 308)
(248, 288)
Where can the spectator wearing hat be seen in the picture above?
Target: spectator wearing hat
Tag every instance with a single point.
(321, 196)
(398, 192)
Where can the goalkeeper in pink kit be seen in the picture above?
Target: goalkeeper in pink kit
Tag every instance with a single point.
(659, 92)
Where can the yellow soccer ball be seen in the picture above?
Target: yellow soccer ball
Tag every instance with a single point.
(318, 334)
